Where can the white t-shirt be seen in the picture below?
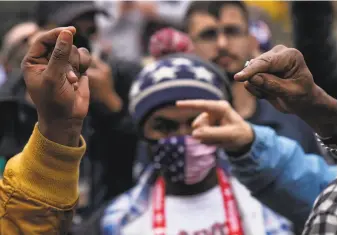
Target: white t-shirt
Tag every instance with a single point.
(204, 214)
(185, 215)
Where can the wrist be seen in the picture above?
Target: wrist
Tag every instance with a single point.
(245, 145)
(321, 113)
(65, 132)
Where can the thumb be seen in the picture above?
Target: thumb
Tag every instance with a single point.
(60, 55)
(270, 84)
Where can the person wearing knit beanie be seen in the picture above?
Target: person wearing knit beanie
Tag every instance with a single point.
(174, 78)
(169, 40)
(184, 188)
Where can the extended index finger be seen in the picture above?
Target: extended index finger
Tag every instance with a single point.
(219, 108)
(261, 64)
(275, 60)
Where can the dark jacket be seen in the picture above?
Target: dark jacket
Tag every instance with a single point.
(314, 37)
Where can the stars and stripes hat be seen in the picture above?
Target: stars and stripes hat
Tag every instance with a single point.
(176, 77)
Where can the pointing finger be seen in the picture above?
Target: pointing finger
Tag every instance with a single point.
(270, 84)
(218, 108)
(260, 64)
(213, 135)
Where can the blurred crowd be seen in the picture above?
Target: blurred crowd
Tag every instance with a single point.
(135, 46)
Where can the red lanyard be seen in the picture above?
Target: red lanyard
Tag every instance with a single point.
(233, 222)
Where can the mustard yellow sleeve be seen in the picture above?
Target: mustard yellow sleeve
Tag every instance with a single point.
(39, 189)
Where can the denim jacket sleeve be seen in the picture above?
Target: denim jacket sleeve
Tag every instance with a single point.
(281, 175)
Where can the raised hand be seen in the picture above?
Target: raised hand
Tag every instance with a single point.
(101, 85)
(282, 77)
(54, 71)
(219, 124)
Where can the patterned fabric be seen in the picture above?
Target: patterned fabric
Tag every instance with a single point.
(167, 41)
(132, 204)
(184, 159)
(323, 218)
(262, 33)
(172, 79)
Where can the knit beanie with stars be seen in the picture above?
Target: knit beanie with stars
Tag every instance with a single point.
(173, 78)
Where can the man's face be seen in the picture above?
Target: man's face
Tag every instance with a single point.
(169, 121)
(224, 41)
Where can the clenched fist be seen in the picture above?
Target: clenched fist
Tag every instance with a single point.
(282, 77)
(54, 72)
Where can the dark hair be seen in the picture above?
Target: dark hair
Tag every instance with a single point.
(213, 8)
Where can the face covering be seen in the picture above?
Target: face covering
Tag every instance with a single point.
(183, 159)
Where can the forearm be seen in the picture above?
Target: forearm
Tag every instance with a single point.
(41, 182)
(281, 175)
(323, 116)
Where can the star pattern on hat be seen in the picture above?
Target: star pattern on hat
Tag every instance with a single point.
(164, 72)
(148, 69)
(201, 73)
(181, 61)
(135, 88)
(172, 69)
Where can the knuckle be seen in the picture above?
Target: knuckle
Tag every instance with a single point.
(294, 51)
(279, 48)
(223, 104)
(58, 53)
(83, 51)
(75, 51)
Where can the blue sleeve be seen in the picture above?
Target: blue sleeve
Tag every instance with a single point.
(281, 175)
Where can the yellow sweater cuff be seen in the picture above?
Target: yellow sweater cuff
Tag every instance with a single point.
(47, 171)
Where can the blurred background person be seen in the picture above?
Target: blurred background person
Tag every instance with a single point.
(134, 22)
(162, 43)
(14, 47)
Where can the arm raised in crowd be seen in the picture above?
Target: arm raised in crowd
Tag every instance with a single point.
(314, 37)
(282, 77)
(274, 168)
(39, 189)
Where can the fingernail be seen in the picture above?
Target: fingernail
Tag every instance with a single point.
(239, 74)
(66, 35)
(72, 29)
